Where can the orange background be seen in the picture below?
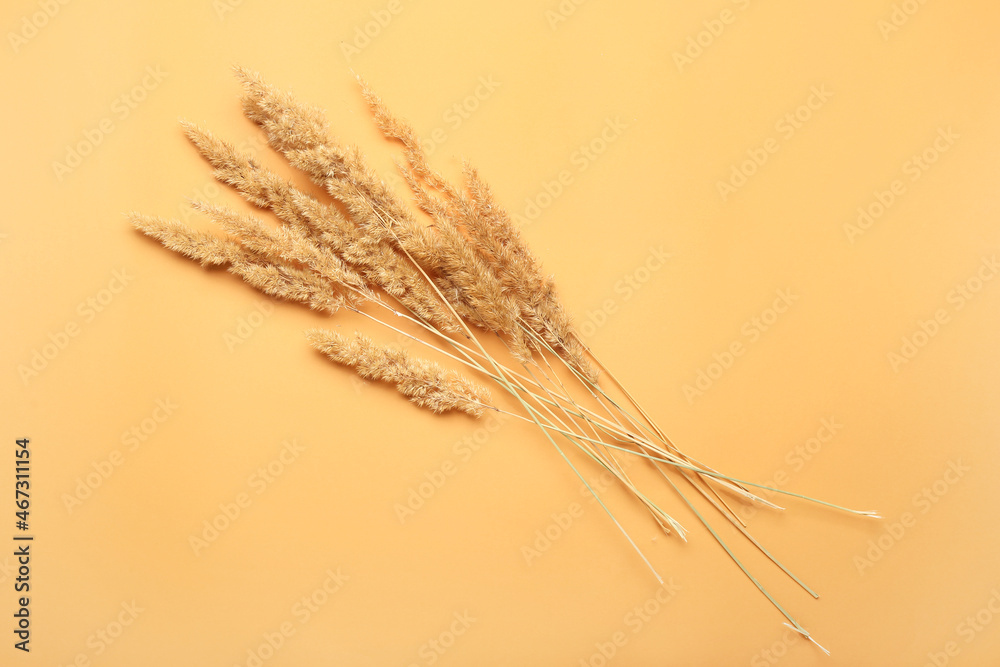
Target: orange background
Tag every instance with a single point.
(882, 94)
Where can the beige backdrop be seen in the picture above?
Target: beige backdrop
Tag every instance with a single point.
(777, 222)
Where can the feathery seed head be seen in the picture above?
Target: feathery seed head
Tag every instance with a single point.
(422, 381)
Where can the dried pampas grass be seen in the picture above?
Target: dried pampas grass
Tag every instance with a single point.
(454, 267)
(423, 382)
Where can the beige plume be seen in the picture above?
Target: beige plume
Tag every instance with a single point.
(424, 382)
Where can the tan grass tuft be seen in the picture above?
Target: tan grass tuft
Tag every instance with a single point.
(203, 247)
(423, 382)
(468, 268)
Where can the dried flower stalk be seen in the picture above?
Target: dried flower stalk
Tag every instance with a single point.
(423, 382)
(466, 275)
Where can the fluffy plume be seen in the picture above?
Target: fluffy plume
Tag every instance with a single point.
(475, 216)
(470, 263)
(470, 284)
(203, 247)
(273, 278)
(422, 381)
(287, 246)
(325, 227)
(497, 238)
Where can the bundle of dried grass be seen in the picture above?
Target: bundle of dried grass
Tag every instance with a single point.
(466, 275)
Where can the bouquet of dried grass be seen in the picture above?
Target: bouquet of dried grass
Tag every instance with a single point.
(465, 276)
